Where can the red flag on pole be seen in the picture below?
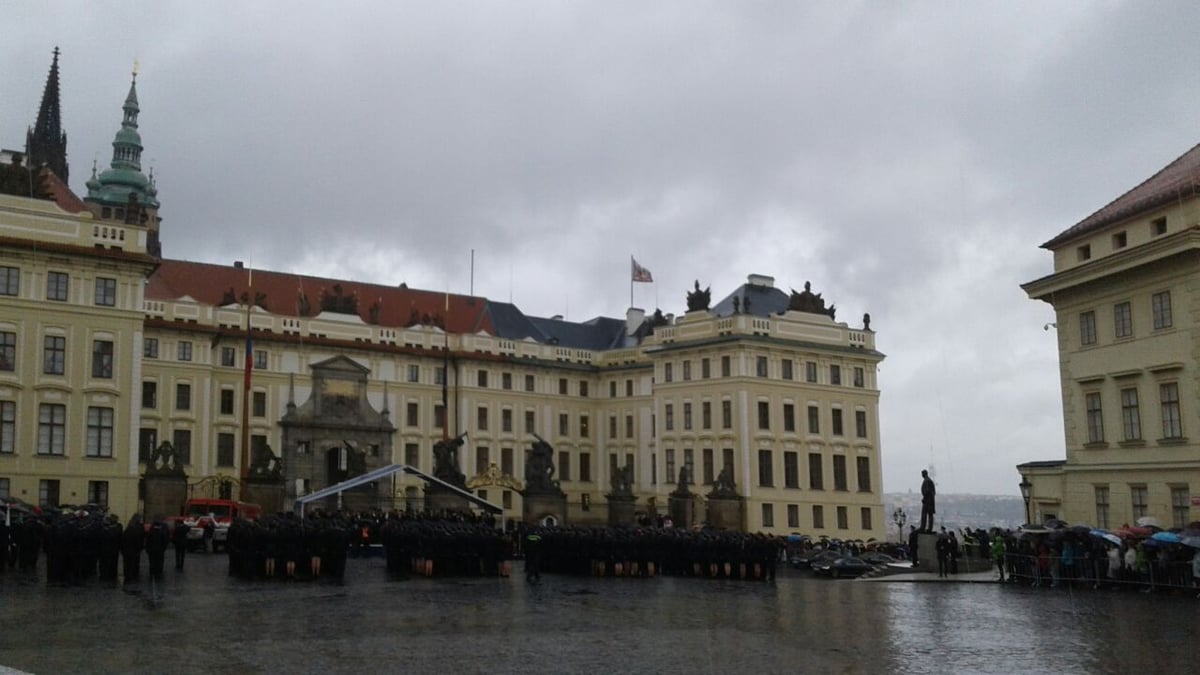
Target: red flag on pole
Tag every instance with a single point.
(640, 273)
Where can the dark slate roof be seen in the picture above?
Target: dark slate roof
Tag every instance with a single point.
(598, 333)
(511, 323)
(1177, 180)
(764, 301)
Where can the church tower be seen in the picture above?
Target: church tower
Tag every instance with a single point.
(122, 192)
(45, 142)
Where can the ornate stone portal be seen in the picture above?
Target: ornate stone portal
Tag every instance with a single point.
(335, 435)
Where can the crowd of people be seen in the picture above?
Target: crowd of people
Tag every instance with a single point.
(1073, 557)
(82, 544)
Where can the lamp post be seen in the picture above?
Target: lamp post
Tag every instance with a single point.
(899, 517)
(1026, 486)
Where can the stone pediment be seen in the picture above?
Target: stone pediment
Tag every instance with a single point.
(342, 364)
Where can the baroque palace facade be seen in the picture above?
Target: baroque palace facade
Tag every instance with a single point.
(1126, 295)
(107, 350)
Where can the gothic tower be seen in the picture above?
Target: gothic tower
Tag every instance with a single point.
(122, 192)
(45, 142)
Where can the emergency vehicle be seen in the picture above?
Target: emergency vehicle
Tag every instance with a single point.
(222, 512)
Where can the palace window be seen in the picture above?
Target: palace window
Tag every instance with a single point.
(150, 348)
(816, 478)
(182, 440)
(764, 415)
(184, 351)
(839, 473)
(1172, 423)
(54, 355)
(57, 284)
(8, 351)
(226, 402)
(1180, 506)
(766, 469)
(8, 427)
(52, 429)
(1123, 320)
(106, 292)
(791, 469)
(225, 449)
(1102, 507)
(99, 432)
(1160, 306)
(10, 281)
(864, 473)
(183, 396)
(1087, 328)
(860, 423)
(1131, 419)
(102, 359)
(1095, 418)
(1139, 501)
(228, 357)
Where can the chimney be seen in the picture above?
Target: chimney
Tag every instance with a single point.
(761, 280)
(237, 264)
(634, 318)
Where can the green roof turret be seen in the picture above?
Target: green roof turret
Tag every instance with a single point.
(114, 186)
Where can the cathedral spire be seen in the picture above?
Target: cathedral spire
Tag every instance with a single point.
(45, 142)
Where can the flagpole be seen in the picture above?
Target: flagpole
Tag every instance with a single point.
(245, 440)
(446, 371)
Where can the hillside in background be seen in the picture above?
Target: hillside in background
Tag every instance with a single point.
(956, 511)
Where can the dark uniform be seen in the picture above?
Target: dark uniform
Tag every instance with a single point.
(157, 540)
(179, 536)
(132, 542)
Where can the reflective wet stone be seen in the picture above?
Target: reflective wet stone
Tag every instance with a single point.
(207, 622)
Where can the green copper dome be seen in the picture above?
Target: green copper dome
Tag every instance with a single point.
(124, 177)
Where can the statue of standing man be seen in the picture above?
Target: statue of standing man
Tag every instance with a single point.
(928, 492)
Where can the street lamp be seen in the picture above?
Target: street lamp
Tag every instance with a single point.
(900, 517)
(1026, 486)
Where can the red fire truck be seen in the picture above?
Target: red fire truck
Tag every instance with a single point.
(222, 512)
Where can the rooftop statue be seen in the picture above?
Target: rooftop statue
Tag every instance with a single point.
(810, 302)
(699, 299)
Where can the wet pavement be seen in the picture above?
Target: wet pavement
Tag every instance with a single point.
(208, 622)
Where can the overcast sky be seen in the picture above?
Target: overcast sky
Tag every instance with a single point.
(907, 158)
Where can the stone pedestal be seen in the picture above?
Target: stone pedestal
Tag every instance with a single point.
(438, 498)
(538, 506)
(165, 494)
(269, 494)
(621, 509)
(727, 513)
(681, 509)
(926, 552)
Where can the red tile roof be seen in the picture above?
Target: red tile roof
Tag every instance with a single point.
(209, 284)
(57, 190)
(1178, 180)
